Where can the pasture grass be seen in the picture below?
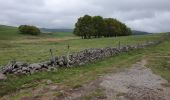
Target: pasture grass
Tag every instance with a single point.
(71, 77)
(159, 59)
(74, 77)
(36, 49)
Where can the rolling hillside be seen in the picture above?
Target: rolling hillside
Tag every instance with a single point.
(46, 30)
(7, 32)
(135, 32)
(5, 28)
(10, 32)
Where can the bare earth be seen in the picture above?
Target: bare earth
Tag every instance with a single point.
(136, 83)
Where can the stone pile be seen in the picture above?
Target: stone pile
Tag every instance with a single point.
(80, 58)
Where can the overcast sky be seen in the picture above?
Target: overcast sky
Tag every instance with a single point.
(144, 15)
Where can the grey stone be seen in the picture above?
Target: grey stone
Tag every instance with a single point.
(61, 63)
(25, 69)
(2, 77)
(35, 66)
(49, 82)
(18, 71)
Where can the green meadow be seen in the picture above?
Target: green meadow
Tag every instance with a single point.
(36, 49)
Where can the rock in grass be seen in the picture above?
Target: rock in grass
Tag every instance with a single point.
(49, 82)
(35, 66)
(2, 77)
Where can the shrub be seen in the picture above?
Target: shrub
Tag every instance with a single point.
(27, 29)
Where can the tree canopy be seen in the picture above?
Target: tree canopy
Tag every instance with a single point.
(27, 29)
(97, 26)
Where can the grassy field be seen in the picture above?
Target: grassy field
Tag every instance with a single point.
(75, 77)
(36, 48)
(16, 46)
(159, 59)
(33, 49)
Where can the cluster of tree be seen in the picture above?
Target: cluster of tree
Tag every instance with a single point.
(27, 29)
(96, 26)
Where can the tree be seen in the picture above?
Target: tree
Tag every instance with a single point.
(77, 30)
(84, 27)
(116, 28)
(27, 29)
(109, 28)
(99, 25)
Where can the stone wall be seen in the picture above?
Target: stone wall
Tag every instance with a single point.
(76, 59)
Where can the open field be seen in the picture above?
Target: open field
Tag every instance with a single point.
(19, 47)
(35, 49)
(75, 77)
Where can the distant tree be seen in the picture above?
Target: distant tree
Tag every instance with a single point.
(96, 26)
(110, 29)
(99, 25)
(78, 30)
(84, 27)
(27, 29)
(116, 28)
(128, 31)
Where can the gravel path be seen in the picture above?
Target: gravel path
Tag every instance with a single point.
(136, 83)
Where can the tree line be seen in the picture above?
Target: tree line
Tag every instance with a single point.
(96, 27)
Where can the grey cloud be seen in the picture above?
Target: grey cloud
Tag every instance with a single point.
(146, 15)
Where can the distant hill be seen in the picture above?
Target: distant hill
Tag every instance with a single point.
(135, 32)
(46, 30)
(8, 31)
(5, 28)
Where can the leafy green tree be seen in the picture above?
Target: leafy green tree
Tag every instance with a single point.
(110, 29)
(84, 27)
(27, 29)
(99, 25)
(78, 28)
(96, 26)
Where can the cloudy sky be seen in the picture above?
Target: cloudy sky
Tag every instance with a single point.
(144, 15)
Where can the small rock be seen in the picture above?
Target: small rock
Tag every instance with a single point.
(35, 66)
(2, 77)
(61, 63)
(49, 82)
(24, 68)
(53, 88)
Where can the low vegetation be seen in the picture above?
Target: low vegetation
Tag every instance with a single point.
(72, 77)
(159, 59)
(36, 49)
(30, 30)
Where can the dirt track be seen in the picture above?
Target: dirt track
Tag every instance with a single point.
(136, 83)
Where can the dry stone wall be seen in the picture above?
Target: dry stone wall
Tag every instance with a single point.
(76, 59)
